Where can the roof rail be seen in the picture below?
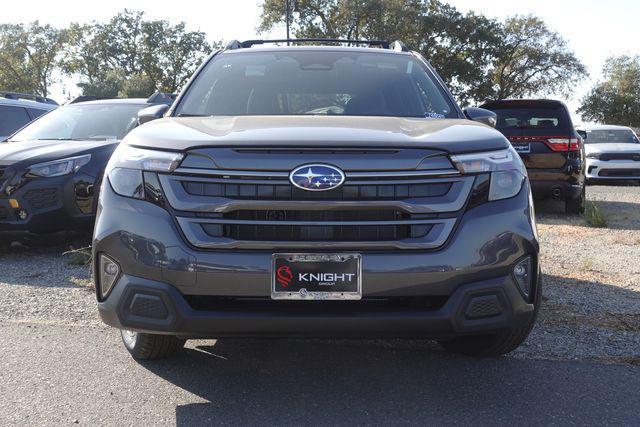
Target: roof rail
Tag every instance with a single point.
(162, 98)
(28, 96)
(235, 44)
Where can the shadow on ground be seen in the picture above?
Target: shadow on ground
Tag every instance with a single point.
(335, 382)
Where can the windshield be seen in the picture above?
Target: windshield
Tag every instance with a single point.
(82, 122)
(531, 118)
(305, 82)
(618, 135)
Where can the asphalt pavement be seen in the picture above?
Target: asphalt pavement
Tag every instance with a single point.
(55, 374)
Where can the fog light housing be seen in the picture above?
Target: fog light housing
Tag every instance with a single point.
(523, 276)
(108, 274)
(22, 214)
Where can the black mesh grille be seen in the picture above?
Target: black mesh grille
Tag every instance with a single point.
(620, 172)
(289, 192)
(327, 233)
(485, 306)
(329, 215)
(42, 198)
(207, 303)
(620, 156)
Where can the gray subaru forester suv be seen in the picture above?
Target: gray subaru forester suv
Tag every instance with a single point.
(317, 191)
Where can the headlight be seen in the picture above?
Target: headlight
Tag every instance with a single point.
(59, 167)
(126, 166)
(507, 170)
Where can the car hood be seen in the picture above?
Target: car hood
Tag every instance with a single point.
(449, 135)
(12, 153)
(611, 147)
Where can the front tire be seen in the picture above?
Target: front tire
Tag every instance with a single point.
(498, 344)
(150, 346)
(575, 206)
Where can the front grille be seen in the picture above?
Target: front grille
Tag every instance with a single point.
(619, 173)
(314, 233)
(242, 191)
(42, 198)
(322, 308)
(620, 156)
(320, 216)
(345, 231)
(258, 210)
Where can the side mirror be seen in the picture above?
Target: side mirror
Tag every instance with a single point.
(481, 115)
(152, 113)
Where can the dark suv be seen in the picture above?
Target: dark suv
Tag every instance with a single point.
(18, 109)
(319, 191)
(50, 170)
(542, 133)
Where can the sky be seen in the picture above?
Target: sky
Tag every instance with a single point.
(595, 29)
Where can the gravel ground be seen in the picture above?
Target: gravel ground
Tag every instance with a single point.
(591, 308)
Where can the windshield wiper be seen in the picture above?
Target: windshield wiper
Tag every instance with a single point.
(191, 115)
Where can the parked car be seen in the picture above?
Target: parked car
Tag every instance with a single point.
(542, 133)
(613, 153)
(316, 191)
(50, 170)
(18, 109)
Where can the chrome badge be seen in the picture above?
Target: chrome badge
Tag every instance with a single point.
(317, 177)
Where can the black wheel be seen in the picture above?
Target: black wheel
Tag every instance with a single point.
(150, 346)
(499, 344)
(575, 206)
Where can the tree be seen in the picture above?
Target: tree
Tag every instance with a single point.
(616, 98)
(534, 60)
(29, 55)
(478, 57)
(460, 46)
(129, 55)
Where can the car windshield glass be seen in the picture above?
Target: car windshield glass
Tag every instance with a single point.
(531, 118)
(82, 122)
(313, 82)
(618, 135)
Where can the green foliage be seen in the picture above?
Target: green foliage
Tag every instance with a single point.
(478, 57)
(593, 216)
(615, 99)
(29, 55)
(130, 56)
(532, 59)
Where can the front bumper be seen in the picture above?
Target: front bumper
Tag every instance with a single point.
(48, 204)
(612, 169)
(477, 261)
(155, 307)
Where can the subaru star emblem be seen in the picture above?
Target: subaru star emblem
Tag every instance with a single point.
(317, 177)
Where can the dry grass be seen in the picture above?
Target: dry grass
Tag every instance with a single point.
(593, 216)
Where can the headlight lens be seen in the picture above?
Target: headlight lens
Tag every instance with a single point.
(59, 167)
(126, 166)
(507, 170)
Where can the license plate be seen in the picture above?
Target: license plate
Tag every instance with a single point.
(522, 148)
(316, 276)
